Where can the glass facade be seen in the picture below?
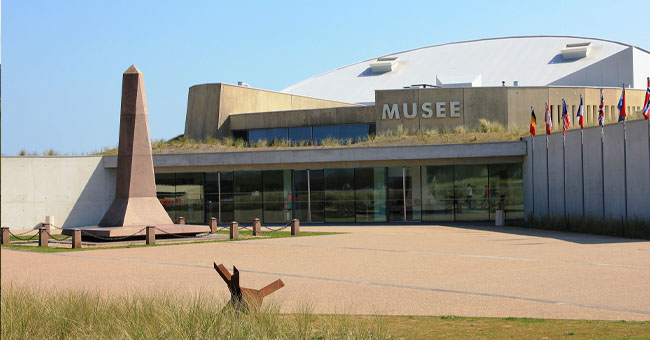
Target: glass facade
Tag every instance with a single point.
(427, 193)
(311, 134)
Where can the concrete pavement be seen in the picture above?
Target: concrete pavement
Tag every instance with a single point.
(422, 270)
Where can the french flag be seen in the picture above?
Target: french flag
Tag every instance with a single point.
(547, 119)
(579, 115)
(646, 103)
(601, 110)
(566, 123)
(621, 106)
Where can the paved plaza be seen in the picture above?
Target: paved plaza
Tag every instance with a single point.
(405, 269)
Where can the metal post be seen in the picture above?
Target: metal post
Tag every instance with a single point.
(76, 238)
(404, 192)
(42, 237)
(308, 196)
(234, 230)
(582, 167)
(151, 235)
(295, 227)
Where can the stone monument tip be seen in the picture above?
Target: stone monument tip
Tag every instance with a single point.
(132, 69)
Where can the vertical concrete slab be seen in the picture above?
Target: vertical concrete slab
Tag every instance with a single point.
(556, 173)
(573, 173)
(614, 181)
(638, 171)
(593, 173)
(539, 175)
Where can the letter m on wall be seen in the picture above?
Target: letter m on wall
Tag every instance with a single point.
(392, 112)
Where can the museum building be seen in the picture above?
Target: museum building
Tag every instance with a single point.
(430, 90)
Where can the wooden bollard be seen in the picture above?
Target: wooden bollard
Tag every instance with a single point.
(181, 220)
(76, 238)
(213, 225)
(6, 237)
(295, 227)
(257, 227)
(46, 225)
(151, 235)
(43, 237)
(234, 230)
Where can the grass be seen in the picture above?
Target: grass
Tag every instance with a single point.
(30, 313)
(633, 228)
(486, 132)
(67, 248)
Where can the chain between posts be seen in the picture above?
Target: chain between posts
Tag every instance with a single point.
(17, 236)
(178, 235)
(272, 230)
(112, 238)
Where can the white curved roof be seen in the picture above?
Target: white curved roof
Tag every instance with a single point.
(532, 61)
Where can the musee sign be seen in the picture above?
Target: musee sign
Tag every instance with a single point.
(442, 110)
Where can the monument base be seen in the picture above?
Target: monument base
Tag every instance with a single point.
(137, 231)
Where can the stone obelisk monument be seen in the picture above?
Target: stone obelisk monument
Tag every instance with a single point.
(135, 202)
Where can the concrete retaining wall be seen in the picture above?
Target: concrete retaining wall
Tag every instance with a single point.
(625, 165)
(75, 190)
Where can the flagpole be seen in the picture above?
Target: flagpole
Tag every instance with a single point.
(582, 167)
(624, 147)
(548, 184)
(564, 171)
(602, 162)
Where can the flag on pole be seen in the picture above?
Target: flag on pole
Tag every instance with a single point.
(566, 123)
(533, 121)
(621, 106)
(601, 108)
(646, 103)
(579, 115)
(547, 119)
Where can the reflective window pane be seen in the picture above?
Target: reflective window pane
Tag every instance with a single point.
(413, 193)
(274, 134)
(300, 195)
(471, 186)
(357, 132)
(370, 195)
(277, 196)
(395, 194)
(438, 193)
(166, 192)
(339, 195)
(227, 202)
(325, 132)
(189, 197)
(211, 189)
(300, 134)
(317, 187)
(248, 196)
(506, 189)
(254, 136)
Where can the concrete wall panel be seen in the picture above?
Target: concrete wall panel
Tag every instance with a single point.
(556, 174)
(573, 173)
(75, 190)
(614, 171)
(593, 173)
(638, 171)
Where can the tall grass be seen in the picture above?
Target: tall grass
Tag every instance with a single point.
(30, 313)
(634, 228)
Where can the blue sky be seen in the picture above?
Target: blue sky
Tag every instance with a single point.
(62, 61)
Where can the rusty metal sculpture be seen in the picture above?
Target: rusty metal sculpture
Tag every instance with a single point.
(249, 297)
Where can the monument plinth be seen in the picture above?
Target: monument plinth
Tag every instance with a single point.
(135, 205)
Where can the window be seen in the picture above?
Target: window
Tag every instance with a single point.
(255, 136)
(355, 133)
(339, 195)
(325, 132)
(370, 194)
(248, 196)
(300, 134)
